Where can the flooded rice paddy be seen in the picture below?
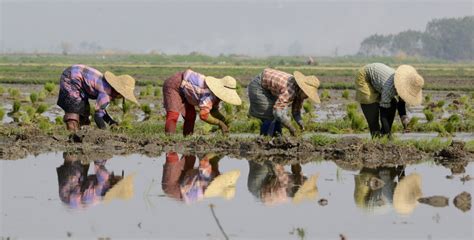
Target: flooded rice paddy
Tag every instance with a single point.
(58, 196)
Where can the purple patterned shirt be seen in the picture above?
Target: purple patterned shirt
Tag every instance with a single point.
(94, 85)
(197, 92)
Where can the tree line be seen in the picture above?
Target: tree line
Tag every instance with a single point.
(447, 38)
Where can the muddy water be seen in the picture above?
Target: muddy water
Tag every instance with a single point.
(54, 197)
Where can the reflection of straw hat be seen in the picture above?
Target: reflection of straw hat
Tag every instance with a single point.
(123, 84)
(408, 84)
(122, 190)
(407, 193)
(224, 88)
(309, 85)
(308, 190)
(223, 185)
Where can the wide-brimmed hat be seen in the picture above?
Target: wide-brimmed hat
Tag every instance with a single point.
(223, 185)
(122, 190)
(407, 193)
(123, 84)
(224, 88)
(308, 190)
(408, 84)
(309, 85)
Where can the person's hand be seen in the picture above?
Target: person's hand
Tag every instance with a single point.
(299, 121)
(224, 128)
(405, 121)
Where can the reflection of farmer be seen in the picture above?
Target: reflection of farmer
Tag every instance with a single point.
(376, 87)
(377, 189)
(76, 188)
(79, 83)
(185, 90)
(183, 182)
(271, 184)
(272, 92)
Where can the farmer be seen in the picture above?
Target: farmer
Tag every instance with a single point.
(272, 92)
(185, 90)
(377, 86)
(79, 83)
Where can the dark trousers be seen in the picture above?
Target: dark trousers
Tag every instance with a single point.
(270, 128)
(380, 119)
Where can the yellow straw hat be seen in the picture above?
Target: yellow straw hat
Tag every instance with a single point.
(407, 193)
(122, 190)
(224, 88)
(309, 85)
(223, 185)
(408, 84)
(308, 190)
(123, 84)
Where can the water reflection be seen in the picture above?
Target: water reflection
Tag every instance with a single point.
(271, 184)
(77, 189)
(377, 190)
(185, 182)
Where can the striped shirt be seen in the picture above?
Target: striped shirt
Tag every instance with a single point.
(196, 91)
(382, 77)
(283, 86)
(94, 85)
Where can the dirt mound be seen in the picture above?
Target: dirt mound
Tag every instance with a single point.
(454, 151)
(353, 153)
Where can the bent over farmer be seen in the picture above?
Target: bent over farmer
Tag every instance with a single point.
(185, 90)
(272, 92)
(377, 88)
(79, 83)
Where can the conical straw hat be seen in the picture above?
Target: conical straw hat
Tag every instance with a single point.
(409, 84)
(309, 85)
(308, 190)
(122, 190)
(223, 185)
(407, 193)
(224, 88)
(123, 84)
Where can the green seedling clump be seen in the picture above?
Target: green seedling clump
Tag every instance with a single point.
(428, 98)
(322, 140)
(325, 95)
(429, 115)
(13, 92)
(2, 90)
(157, 92)
(41, 108)
(126, 106)
(33, 97)
(345, 94)
(413, 122)
(42, 95)
(440, 103)
(308, 107)
(16, 106)
(146, 109)
(58, 120)
(228, 108)
(30, 111)
(49, 87)
(2, 114)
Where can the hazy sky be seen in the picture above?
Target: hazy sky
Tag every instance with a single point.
(213, 27)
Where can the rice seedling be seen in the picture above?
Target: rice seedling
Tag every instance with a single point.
(42, 95)
(147, 91)
(33, 97)
(428, 98)
(147, 110)
(428, 115)
(325, 95)
(41, 108)
(2, 113)
(413, 122)
(126, 106)
(16, 106)
(440, 103)
(2, 90)
(228, 108)
(345, 94)
(308, 107)
(30, 111)
(322, 140)
(49, 87)
(58, 120)
(44, 124)
(14, 92)
(158, 92)
(464, 99)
